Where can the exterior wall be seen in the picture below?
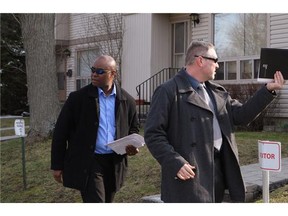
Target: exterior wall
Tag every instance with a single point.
(146, 48)
(278, 35)
(203, 30)
(82, 25)
(160, 45)
(62, 27)
(278, 31)
(136, 51)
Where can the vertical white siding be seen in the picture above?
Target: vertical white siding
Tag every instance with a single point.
(136, 51)
(161, 43)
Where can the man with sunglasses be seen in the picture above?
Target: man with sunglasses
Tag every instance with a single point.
(190, 130)
(92, 117)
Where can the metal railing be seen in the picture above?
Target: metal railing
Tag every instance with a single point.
(145, 90)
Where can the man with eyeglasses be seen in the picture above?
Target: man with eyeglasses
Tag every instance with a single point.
(92, 117)
(190, 130)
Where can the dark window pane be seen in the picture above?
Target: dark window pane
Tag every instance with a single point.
(179, 37)
(246, 69)
(220, 72)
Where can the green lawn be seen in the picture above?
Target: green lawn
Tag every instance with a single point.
(143, 177)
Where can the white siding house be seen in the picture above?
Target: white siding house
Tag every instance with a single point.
(137, 43)
(278, 26)
(152, 42)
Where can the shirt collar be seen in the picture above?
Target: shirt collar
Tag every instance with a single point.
(101, 92)
(192, 81)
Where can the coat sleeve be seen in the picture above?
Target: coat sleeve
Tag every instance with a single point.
(243, 114)
(61, 135)
(133, 118)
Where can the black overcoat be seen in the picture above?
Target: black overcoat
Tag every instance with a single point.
(75, 134)
(179, 129)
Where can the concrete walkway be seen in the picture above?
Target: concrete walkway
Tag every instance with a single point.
(252, 175)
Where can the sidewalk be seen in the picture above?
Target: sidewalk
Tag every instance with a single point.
(252, 175)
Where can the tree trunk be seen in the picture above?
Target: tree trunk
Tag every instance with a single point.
(39, 45)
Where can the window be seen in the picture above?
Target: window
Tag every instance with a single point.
(226, 71)
(85, 60)
(238, 39)
(179, 43)
(179, 38)
(230, 68)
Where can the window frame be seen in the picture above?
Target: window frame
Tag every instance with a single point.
(238, 59)
(82, 80)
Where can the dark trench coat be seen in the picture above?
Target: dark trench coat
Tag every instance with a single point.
(75, 134)
(179, 130)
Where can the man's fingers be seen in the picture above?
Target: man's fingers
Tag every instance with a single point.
(186, 172)
(131, 150)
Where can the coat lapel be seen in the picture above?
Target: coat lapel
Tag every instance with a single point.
(220, 95)
(185, 90)
(195, 99)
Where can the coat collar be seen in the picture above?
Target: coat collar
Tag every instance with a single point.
(184, 87)
(93, 92)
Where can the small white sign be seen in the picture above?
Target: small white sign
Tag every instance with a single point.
(269, 155)
(19, 126)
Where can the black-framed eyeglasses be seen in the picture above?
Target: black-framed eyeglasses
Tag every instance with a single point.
(99, 71)
(210, 58)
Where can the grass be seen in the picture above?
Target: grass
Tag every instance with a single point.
(40, 184)
(143, 175)
(248, 147)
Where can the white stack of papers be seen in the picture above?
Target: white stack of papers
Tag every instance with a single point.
(119, 146)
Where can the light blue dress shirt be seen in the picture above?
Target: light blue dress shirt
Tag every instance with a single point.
(107, 125)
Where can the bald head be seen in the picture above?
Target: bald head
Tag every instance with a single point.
(107, 62)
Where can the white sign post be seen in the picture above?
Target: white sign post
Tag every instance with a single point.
(269, 160)
(19, 127)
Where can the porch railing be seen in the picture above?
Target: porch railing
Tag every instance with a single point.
(145, 90)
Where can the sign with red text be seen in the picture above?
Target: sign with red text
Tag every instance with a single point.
(269, 155)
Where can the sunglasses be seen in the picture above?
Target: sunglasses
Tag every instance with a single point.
(99, 71)
(205, 57)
